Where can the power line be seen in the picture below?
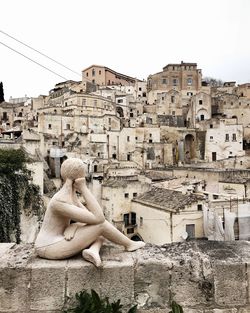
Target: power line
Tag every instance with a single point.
(33, 61)
(40, 53)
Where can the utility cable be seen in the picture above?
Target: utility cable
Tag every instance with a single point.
(33, 61)
(46, 56)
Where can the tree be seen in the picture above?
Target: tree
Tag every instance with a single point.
(1, 93)
(213, 82)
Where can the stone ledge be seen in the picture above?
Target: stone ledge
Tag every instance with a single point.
(202, 276)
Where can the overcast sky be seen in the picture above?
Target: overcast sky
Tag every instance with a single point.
(133, 37)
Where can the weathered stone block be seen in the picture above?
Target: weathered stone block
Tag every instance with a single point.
(188, 285)
(115, 279)
(244, 310)
(4, 247)
(187, 310)
(14, 278)
(230, 284)
(155, 310)
(221, 311)
(47, 285)
(152, 282)
(248, 280)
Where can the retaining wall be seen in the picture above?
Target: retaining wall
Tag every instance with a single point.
(202, 276)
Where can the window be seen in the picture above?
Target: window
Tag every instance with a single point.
(130, 230)
(190, 229)
(114, 156)
(133, 218)
(93, 72)
(202, 117)
(173, 113)
(87, 74)
(5, 116)
(162, 98)
(134, 194)
(234, 137)
(100, 72)
(93, 81)
(199, 207)
(67, 126)
(83, 101)
(139, 88)
(95, 168)
(49, 126)
(109, 120)
(126, 219)
(141, 221)
(211, 126)
(144, 94)
(213, 156)
(227, 137)
(164, 81)
(120, 101)
(175, 82)
(200, 101)
(172, 99)
(128, 157)
(189, 93)
(128, 139)
(126, 195)
(190, 81)
(211, 137)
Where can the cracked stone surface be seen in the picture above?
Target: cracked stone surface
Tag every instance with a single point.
(202, 276)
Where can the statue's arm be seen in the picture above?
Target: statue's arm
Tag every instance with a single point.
(75, 213)
(91, 202)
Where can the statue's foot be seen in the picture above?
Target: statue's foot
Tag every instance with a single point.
(135, 245)
(92, 257)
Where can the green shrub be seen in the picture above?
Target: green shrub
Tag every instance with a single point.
(176, 308)
(17, 193)
(92, 303)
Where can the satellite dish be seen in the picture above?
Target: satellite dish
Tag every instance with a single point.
(184, 235)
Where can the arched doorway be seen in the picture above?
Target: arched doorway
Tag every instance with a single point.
(189, 148)
(136, 237)
(119, 110)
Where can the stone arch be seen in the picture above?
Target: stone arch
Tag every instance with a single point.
(202, 114)
(189, 148)
(136, 237)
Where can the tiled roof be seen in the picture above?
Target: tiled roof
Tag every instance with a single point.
(166, 199)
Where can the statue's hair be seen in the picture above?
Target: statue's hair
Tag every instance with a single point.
(72, 168)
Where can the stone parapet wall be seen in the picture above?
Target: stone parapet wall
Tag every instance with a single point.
(202, 276)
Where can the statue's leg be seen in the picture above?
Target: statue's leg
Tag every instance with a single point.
(111, 233)
(92, 254)
(84, 237)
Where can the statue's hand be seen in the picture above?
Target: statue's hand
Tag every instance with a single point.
(70, 231)
(79, 184)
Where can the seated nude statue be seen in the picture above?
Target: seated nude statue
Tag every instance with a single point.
(58, 239)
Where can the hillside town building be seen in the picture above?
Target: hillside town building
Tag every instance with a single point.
(158, 153)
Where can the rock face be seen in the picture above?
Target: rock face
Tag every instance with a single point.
(202, 276)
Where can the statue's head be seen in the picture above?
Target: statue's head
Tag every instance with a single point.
(72, 168)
